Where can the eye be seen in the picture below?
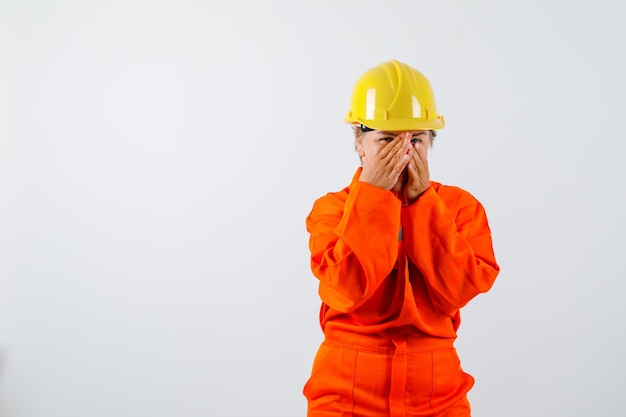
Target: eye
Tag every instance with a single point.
(385, 139)
(416, 140)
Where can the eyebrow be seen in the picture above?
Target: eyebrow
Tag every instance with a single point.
(385, 132)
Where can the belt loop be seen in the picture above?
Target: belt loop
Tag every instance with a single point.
(399, 366)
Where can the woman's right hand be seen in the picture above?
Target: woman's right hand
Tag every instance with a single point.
(383, 169)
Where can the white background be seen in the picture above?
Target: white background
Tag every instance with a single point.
(158, 160)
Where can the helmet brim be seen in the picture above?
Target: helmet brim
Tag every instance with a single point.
(399, 125)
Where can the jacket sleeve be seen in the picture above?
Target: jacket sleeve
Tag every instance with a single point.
(353, 243)
(451, 246)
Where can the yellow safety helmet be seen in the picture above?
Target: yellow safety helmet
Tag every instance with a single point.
(396, 97)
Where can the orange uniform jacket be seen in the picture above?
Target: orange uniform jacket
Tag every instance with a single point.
(381, 265)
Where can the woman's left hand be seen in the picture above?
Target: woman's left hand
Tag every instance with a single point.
(419, 176)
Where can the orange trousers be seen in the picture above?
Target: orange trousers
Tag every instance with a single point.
(396, 373)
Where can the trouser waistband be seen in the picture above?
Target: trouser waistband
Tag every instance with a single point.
(388, 341)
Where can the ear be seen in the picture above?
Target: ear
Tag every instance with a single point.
(359, 147)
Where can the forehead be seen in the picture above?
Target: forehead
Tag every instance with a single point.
(397, 132)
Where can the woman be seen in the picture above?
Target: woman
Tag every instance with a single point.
(397, 255)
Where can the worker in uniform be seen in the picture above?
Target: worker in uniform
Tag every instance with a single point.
(397, 256)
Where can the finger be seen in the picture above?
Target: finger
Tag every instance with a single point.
(413, 169)
(400, 164)
(421, 174)
(401, 157)
(422, 149)
(401, 141)
(420, 156)
(400, 154)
